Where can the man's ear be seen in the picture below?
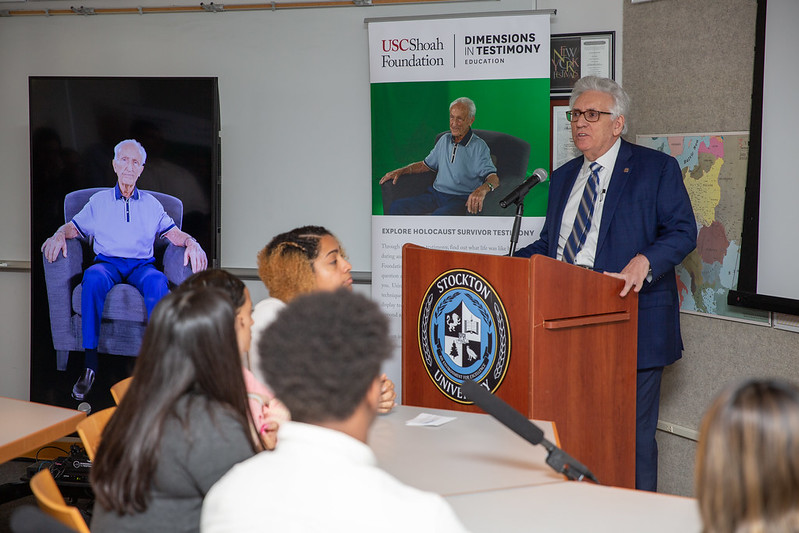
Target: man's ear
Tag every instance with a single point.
(373, 393)
(618, 125)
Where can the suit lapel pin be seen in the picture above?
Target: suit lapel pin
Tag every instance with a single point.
(626, 169)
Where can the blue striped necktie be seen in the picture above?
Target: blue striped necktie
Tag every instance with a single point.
(582, 222)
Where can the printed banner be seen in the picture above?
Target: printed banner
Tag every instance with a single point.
(418, 68)
(483, 48)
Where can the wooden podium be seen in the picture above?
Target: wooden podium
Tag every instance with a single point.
(572, 353)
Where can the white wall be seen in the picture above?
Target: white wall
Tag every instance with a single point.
(294, 99)
(15, 333)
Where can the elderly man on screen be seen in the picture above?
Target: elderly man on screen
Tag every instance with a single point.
(124, 222)
(464, 171)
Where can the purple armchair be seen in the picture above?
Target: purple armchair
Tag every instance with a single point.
(124, 316)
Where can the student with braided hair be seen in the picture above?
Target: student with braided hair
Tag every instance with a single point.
(303, 260)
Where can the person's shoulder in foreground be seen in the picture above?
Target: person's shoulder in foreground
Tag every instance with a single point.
(191, 462)
(319, 479)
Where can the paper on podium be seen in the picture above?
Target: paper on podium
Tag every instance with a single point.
(427, 419)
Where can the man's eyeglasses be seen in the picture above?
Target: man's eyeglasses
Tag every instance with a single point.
(591, 115)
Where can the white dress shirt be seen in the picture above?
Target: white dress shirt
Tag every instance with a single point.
(585, 257)
(320, 480)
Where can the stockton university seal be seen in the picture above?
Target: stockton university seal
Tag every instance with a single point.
(463, 333)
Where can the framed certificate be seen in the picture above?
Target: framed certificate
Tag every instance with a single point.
(575, 55)
(562, 147)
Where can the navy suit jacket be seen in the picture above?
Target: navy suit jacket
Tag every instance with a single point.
(647, 211)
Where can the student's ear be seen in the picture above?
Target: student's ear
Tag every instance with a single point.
(373, 393)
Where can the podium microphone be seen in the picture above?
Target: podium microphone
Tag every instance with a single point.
(517, 195)
(559, 460)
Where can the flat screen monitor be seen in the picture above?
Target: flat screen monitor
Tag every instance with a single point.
(75, 123)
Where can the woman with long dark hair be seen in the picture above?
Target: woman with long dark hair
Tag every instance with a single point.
(267, 411)
(183, 423)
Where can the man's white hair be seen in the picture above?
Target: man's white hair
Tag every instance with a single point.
(470, 107)
(621, 100)
(135, 143)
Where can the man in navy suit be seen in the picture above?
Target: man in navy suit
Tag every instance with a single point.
(629, 217)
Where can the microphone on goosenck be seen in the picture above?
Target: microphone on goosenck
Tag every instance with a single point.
(503, 412)
(559, 460)
(539, 175)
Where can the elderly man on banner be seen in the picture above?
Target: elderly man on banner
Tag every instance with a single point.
(464, 171)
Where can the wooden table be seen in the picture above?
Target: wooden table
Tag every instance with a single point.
(496, 481)
(25, 426)
(576, 507)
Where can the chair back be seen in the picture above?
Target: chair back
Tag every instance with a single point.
(51, 501)
(119, 389)
(511, 154)
(90, 430)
